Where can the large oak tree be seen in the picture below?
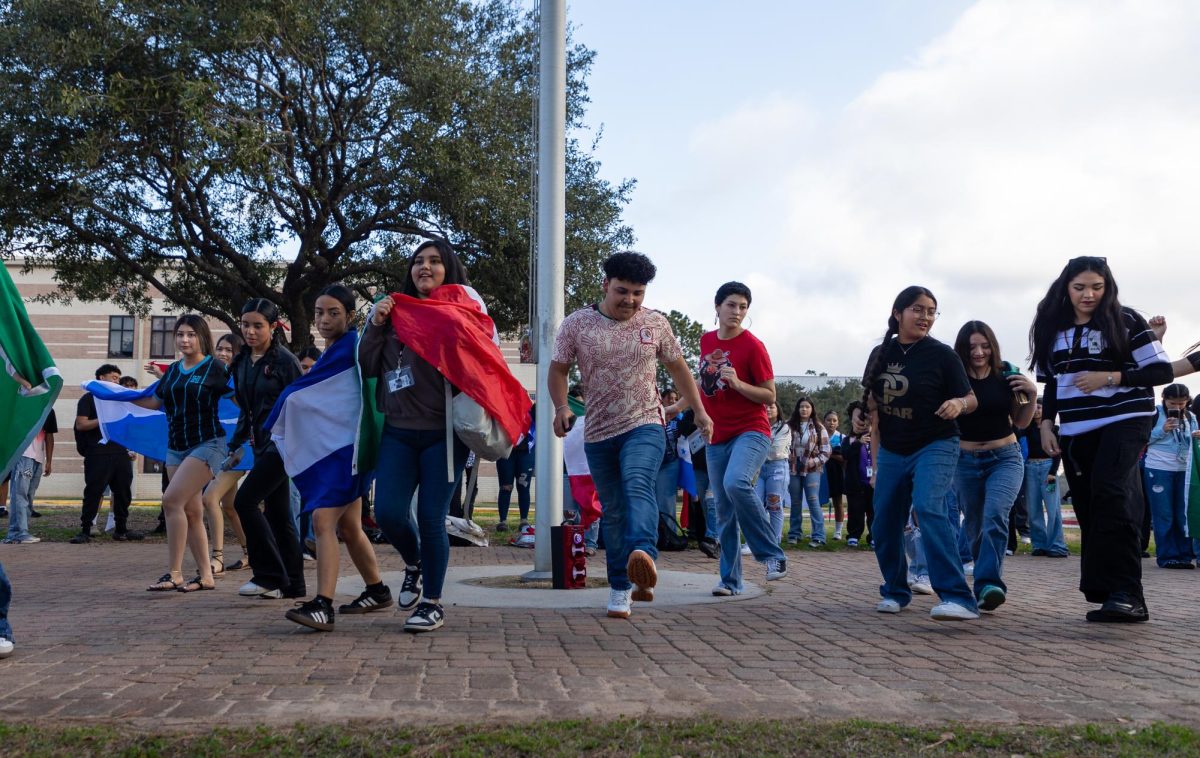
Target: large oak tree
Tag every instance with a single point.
(230, 149)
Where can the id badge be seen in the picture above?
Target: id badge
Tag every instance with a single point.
(1095, 342)
(870, 471)
(400, 378)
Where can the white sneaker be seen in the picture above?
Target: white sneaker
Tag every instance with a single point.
(969, 569)
(952, 612)
(722, 591)
(618, 603)
(776, 568)
(887, 605)
(1026, 541)
(250, 589)
(6, 647)
(920, 585)
(852, 542)
(745, 550)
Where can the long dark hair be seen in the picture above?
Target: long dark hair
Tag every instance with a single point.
(962, 345)
(1056, 313)
(201, 328)
(794, 421)
(907, 297)
(456, 273)
(345, 296)
(235, 341)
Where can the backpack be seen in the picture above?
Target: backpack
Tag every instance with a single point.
(670, 537)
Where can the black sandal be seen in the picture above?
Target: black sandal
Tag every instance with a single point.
(196, 585)
(218, 556)
(165, 579)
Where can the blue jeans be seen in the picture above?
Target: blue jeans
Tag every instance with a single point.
(5, 598)
(296, 504)
(954, 510)
(1168, 512)
(1045, 529)
(26, 476)
(987, 483)
(515, 471)
(806, 489)
(666, 489)
(624, 469)
(771, 488)
(704, 494)
(733, 467)
(415, 460)
(918, 481)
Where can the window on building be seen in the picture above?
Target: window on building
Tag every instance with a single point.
(120, 336)
(162, 341)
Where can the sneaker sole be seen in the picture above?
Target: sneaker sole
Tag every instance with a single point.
(409, 606)
(775, 577)
(419, 629)
(359, 610)
(643, 574)
(618, 614)
(303, 620)
(953, 617)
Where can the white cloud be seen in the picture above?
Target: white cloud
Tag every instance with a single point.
(1030, 132)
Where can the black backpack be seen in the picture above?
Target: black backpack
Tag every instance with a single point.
(670, 537)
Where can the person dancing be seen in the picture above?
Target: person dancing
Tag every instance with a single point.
(1100, 362)
(915, 389)
(990, 467)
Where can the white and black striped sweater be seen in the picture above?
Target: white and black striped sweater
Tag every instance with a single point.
(1081, 348)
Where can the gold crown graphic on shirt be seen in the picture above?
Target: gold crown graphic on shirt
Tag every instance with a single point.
(895, 368)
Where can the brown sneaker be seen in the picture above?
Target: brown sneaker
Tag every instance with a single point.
(643, 574)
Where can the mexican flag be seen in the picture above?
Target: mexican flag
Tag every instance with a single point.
(29, 384)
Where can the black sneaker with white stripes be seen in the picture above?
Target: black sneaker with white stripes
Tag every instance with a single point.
(315, 614)
(410, 591)
(426, 618)
(369, 601)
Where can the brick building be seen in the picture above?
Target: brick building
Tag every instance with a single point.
(83, 336)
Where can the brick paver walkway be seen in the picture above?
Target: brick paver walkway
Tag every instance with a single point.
(93, 646)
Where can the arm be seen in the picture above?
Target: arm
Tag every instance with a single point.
(85, 424)
(374, 337)
(823, 449)
(152, 403)
(756, 393)
(1022, 414)
(686, 385)
(1049, 411)
(957, 406)
(49, 468)
(558, 395)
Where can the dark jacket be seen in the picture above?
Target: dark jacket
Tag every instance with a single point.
(256, 387)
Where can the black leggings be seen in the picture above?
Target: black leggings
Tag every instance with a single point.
(860, 511)
(271, 538)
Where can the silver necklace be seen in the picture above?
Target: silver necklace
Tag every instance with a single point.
(904, 350)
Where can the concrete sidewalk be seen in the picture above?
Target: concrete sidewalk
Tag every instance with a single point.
(93, 646)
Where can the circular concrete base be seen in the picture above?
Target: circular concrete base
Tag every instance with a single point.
(675, 588)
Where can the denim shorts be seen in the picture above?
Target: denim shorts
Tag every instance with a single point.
(212, 452)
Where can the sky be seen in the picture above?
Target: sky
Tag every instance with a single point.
(830, 154)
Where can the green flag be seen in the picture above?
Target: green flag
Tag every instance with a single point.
(1192, 487)
(22, 410)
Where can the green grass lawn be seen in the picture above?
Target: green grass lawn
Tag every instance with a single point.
(621, 737)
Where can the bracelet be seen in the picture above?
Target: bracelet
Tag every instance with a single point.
(1109, 383)
(559, 408)
(1194, 359)
(963, 400)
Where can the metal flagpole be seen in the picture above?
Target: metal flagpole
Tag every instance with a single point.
(551, 255)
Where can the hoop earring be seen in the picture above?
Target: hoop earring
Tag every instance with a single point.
(751, 320)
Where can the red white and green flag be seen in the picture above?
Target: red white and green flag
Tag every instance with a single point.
(29, 383)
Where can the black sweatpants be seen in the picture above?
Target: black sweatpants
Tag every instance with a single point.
(1101, 467)
(114, 471)
(271, 538)
(860, 512)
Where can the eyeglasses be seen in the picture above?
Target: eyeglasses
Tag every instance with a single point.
(918, 311)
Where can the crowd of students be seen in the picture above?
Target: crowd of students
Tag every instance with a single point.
(931, 461)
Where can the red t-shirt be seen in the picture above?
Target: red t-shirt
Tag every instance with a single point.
(732, 413)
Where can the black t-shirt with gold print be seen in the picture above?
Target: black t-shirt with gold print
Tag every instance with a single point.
(916, 380)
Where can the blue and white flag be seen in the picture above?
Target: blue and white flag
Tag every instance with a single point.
(143, 430)
(687, 474)
(327, 442)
